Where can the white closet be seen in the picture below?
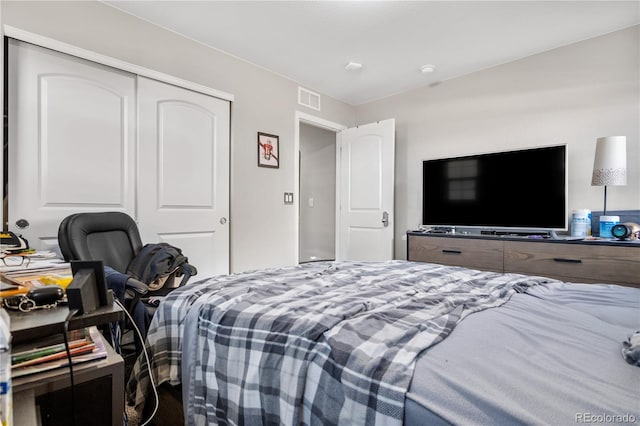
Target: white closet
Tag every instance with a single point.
(183, 172)
(87, 137)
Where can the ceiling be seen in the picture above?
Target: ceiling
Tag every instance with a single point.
(310, 42)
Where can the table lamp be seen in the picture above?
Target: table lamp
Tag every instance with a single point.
(609, 168)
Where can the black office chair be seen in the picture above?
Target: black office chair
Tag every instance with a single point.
(113, 238)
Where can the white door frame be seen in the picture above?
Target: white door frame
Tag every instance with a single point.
(301, 117)
(90, 55)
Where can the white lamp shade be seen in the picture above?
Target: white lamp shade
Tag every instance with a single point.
(610, 163)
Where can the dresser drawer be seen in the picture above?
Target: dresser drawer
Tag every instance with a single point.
(467, 252)
(574, 262)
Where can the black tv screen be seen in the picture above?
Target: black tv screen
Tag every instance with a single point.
(524, 189)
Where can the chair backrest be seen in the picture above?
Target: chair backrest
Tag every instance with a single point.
(112, 237)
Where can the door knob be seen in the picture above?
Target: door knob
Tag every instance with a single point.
(22, 223)
(223, 220)
(385, 219)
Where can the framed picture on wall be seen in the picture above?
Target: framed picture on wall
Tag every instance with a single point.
(268, 150)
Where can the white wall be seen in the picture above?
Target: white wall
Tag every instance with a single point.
(317, 182)
(262, 232)
(571, 95)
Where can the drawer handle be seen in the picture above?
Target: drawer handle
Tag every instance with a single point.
(560, 259)
(451, 251)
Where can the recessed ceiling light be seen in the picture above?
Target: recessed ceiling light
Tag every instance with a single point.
(427, 68)
(353, 66)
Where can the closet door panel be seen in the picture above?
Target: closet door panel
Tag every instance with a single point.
(79, 123)
(184, 173)
(72, 129)
(186, 136)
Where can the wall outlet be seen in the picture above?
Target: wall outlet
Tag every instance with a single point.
(288, 197)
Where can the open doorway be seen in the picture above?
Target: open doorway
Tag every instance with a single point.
(316, 175)
(363, 186)
(316, 239)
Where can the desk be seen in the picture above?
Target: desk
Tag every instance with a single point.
(99, 385)
(45, 322)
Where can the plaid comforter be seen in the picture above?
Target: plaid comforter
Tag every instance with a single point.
(319, 343)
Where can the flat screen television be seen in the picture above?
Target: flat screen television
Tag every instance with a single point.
(512, 190)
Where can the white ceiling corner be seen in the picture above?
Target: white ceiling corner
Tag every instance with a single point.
(310, 42)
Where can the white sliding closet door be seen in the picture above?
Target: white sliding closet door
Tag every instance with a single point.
(87, 137)
(183, 195)
(71, 140)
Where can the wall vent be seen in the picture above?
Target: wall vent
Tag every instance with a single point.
(308, 98)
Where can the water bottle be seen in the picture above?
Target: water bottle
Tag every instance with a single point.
(581, 223)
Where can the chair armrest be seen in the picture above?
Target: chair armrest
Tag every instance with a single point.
(187, 272)
(137, 286)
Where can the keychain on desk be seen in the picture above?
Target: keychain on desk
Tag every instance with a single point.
(46, 297)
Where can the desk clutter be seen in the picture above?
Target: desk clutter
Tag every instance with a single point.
(32, 280)
(53, 349)
(21, 273)
(84, 345)
(43, 379)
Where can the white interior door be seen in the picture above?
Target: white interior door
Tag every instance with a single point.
(71, 140)
(366, 176)
(183, 173)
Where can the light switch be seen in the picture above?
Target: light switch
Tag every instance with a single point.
(288, 197)
(311, 202)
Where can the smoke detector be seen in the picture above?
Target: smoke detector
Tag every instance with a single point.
(353, 66)
(427, 68)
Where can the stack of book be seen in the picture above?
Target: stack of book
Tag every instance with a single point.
(86, 345)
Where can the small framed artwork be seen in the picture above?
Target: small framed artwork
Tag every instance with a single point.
(268, 150)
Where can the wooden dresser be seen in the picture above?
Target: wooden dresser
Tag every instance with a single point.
(611, 262)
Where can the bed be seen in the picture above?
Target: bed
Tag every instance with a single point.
(395, 343)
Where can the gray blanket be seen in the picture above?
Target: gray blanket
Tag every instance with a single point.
(547, 357)
(320, 343)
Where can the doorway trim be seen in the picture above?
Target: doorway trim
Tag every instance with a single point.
(302, 117)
